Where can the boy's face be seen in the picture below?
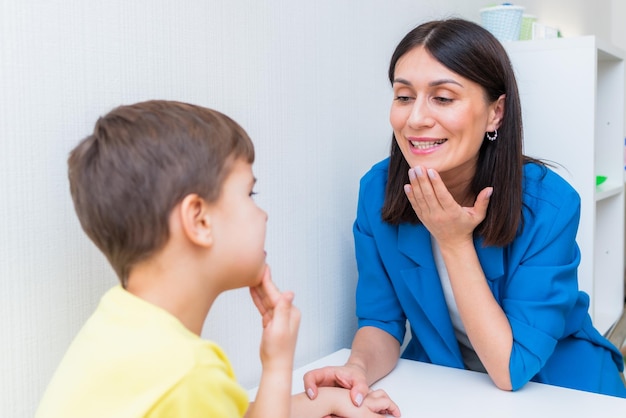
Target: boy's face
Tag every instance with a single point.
(239, 229)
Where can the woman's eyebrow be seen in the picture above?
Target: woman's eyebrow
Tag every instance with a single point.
(434, 83)
(401, 81)
(444, 81)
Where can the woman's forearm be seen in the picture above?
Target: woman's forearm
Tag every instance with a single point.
(485, 322)
(375, 351)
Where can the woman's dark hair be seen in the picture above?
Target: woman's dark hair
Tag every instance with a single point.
(471, 51)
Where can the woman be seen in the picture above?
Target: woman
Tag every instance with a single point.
(465, 237)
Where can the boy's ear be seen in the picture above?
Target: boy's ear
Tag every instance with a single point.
(196, 220)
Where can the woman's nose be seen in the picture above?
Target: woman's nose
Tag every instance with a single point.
(420, 115)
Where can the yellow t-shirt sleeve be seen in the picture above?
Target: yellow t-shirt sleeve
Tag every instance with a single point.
(204, 392)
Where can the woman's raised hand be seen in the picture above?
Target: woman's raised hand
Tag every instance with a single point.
(439, 212)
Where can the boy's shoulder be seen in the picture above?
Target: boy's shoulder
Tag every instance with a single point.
(129, 355)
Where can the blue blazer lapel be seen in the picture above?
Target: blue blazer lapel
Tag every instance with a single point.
(419, 273)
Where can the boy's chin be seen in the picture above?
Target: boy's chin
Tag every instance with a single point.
(259, 277)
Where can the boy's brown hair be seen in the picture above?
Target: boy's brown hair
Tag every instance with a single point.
(140, 161)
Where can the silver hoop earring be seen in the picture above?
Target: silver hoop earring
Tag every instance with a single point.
(492, 137)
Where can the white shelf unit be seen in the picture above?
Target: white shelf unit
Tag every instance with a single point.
(572, 94)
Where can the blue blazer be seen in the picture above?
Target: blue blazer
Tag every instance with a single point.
(534, 279)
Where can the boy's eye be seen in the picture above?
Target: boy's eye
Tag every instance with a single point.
(252, 193)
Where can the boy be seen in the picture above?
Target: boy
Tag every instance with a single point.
(164, 190)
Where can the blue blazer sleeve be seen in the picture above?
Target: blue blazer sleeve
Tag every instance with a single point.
(377, 302)
(540, 293)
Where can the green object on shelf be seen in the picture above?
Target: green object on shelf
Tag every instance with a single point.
(600, 180)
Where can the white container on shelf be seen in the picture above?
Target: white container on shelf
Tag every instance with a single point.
(541, 31)
(504, 21)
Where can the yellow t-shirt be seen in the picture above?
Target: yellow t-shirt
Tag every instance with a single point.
(134, 359)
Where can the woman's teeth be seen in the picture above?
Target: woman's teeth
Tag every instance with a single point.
(426, 144)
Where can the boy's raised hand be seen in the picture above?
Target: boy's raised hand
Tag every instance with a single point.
(281, 320)
(265, 296)
(278, 343)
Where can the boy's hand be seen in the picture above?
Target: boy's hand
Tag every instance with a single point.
(281, 320)
(265, 296)
(335, 400)
(379, 402)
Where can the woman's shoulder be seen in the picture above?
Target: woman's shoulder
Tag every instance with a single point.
(541, 183)
(376, 175)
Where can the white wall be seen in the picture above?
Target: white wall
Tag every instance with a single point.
(307, 80)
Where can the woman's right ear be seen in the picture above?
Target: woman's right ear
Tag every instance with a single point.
(196, 220)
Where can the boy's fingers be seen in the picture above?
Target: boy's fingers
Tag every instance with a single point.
(281, 310)
(266, 314)
(258, 300)
(268, 288)
(265, 294)
(379, 401)
(274, 305)
(286, 316)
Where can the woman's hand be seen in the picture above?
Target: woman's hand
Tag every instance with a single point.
(433, 204)
(452, 225)
(374, 353)
(349, 376)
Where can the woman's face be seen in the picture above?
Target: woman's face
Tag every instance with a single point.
(438, 117)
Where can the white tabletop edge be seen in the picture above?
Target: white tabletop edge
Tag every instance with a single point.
(423, 389)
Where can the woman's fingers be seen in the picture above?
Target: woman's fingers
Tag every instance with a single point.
(427, 192)
(423, 192)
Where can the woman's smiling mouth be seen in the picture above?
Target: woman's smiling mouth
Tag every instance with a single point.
(424, 145)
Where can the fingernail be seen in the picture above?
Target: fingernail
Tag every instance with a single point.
(309, 393)
(419, 171)
(431, 173)
(407, 188)
(359, 399)
(412, 174)
(489, 192)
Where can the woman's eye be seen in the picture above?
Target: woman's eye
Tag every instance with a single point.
(402, 98)
(252, 193)
(443, 100)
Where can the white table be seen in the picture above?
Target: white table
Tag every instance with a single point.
(426, 390)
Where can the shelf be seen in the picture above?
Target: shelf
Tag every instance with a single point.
(585, 128)
(608, 189)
